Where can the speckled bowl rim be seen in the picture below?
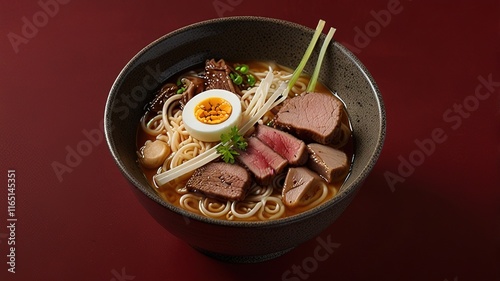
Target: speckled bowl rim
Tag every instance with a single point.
(343, 193)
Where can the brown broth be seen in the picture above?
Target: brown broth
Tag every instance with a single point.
(333, 187)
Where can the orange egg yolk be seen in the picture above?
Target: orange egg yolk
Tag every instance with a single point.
(213, 110)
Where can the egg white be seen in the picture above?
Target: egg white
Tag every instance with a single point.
(211, 132)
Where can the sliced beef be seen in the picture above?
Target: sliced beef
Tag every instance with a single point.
(261, 160)
(311, 117)
(163, 95)
(330, 163)
(301, 184)
(217, 76)
(286, 145)
(195, 85)
(221, 180)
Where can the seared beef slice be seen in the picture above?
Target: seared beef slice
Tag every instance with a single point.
(301, 184)
(221, 180)
(217, 74)
(261, 160)
(286, 145)
(312, 117)
(330, 163)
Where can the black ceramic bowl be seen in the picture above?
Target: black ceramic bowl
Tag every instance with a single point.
(234, 39)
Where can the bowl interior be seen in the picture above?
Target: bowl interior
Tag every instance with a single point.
(236, 39)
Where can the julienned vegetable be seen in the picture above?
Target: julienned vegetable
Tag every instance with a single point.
(252, 114)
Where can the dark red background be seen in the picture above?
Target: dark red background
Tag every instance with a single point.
(439, 221)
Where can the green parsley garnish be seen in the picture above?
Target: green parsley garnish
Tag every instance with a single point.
(229, 142)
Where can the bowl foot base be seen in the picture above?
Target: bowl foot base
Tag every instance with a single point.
(243, 259)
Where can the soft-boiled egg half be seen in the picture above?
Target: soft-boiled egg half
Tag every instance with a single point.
(211, 113)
